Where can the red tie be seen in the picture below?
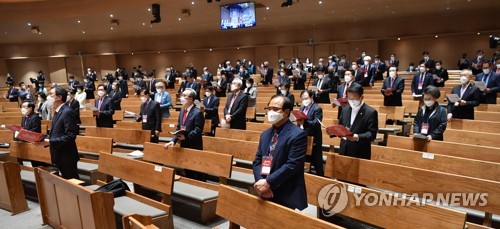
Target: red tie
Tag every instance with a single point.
(184, 117)
(100, 102)
(273, 144)
(345, 90)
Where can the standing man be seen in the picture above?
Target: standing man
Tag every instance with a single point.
(40, 80)
(74, 105)
(278, 167)
(194, 85)
(421, 80)
(469, 95)
(163, 98)
(368, 72)
(267, 73)
(300, 79)
(206, 78)
(191, 123)
(150, 116)
(122, 84)
(24, 93)
(211, 103)
(72, 82)
(236, 107)
(63, 150)
(322, 95)
(170, 78)
(116, 96)
(396, 86)
(441, 73)
(492, 81)
(362, 121)
(104, 113)
(89, 88)
(151, 85)
(313, 128)
(30, 121)
(477, 63)
(342, 92)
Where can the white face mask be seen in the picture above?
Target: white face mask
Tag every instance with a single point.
(393, 58)
(50, 101)
(320, 76)
(249, 85)
(438, 67)
(274, 117)
(367, 62)
(354, 103)
(392, 74)
(159, 90)
(208, 94)
(421, 69)
(23, 87)
(464, 80)
(120, 78)
(113, 87)
(24, 111)
(100, 93)
(144, 99)
(429, 103)
(68, 98)
(347, 79)
(184, 101)
(306, 102)
(354, 67)
(234, 87)
(282, 74)
(486, 71)
(283, 92)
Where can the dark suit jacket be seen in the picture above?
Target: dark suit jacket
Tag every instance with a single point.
(493, 85)
(441, 73)
(365, 126)
(379, 70)
(223, 88)
(63, 150)
(287, 170)
(431, 64)
(75, 105)
(365, 81)
(171, 80)
(268, 78)
(427, 80)
(238, 111)
(73, 84)
(311, 125)
(34, 123)
(212, 109)
(358, 76)
(299, 82)
(141, 84)
(325, 86)
(196, 86)
(399, 86)
(15, 94)
(194, 128)
(105, 118)
(153, 114)
(472, 96)
(123, 88)
(437, 122)
(89, 88)
(208, 79)
(150, 85)
(116, 97)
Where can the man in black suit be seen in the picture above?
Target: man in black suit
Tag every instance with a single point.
(469, 95)
(342, 91)
(300, 79)
(492, 81)
(393, 62)
(333, 78)
(74, 105)
(63, 150)
(122, 84)
(12, 94)
(368, 73)
(313, 128)
(421, 80)
(236, 107)
(190, 123)
(104, 113)
(322, 95)
(206, 78)
(116, 96)
(477, 63)
(211, 103)
(150, 85)
(362, 121)
(362, 58)
(427, 61)
(139, 85)
(221, 87)
(89, 88)
(357, 73)
(441, 73)
(393, 97)
(72, 83)
(91, 75)
(196, 86)
(278, 167)
(379, 68)
(31, 122)
(170, 78)
(150, 116)
(267, 73)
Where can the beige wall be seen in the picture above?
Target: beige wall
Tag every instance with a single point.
(457, 34)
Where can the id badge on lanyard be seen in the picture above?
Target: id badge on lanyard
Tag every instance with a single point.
(425, 128)
(144, 118)
(267, 161)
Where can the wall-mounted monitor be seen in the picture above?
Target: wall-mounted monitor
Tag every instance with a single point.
(238, 15)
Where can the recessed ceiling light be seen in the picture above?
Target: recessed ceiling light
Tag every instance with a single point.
(184, 50)
(436, 36)
(132, 53)
(40, 33)
(144, 23)
(267, 8)
(29, 24)
(158, 52)
(83, 32)
(192, 3)
(149, 9)
(210, 50)
(320, 2)
(478, 33)
(399, 38)
(179, 19)
(238, 48)
(111, 28)
(111, 15)
(79, 21)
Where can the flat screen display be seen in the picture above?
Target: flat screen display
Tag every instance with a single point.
(239, 15)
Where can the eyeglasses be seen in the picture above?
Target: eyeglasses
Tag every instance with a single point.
(274, 108)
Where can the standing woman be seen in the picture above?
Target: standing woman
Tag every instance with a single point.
(80, 96)
(431, 119)
(251, 91)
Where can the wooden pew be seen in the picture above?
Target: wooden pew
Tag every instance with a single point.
(130, 136)
(417, 181)
(437, 162)
(135, 221)
(118, 115)
(472, 137)
(88, 121)
(11, 188)
(483, 153)
(240, 149)
(474, 125)
(67, 205)
(10, 120)
(254, 126)
(487, 116)
(155, 177)
(247, 135)
(401, 216)
(488, 107)
(246, 210)
(211, 163)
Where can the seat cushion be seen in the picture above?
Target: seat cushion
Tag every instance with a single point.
(241, 161)
(125, 205)
(242, 177)
(194, 192)
(28, 176)
(87, 167)
(92, 187)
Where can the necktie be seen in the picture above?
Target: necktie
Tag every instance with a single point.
(392, 83)
(26, 121)
(99, 105)
(319, 83)
(208, 101)
(274, 141)
(186, 111)
(462, 91)
(232, 102)
(421, 78)
(345, 91)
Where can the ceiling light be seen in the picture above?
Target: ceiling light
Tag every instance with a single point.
(399, 38)
(184, 50)
(192, 3)
(39, 33)
(158, 52)
(320, 2)
(478, 33)
(111, 28)
(29, 24)
(267, 8)
(83, 32)
(132, 53)
(111, 15)
(79, 21)
(149, 9)
(210, 50)
(144, 23)
(180, 19)
(436, 36)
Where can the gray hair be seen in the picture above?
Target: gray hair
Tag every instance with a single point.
(191, 93)
(159, 84)
(238, 81)
(433, 91)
